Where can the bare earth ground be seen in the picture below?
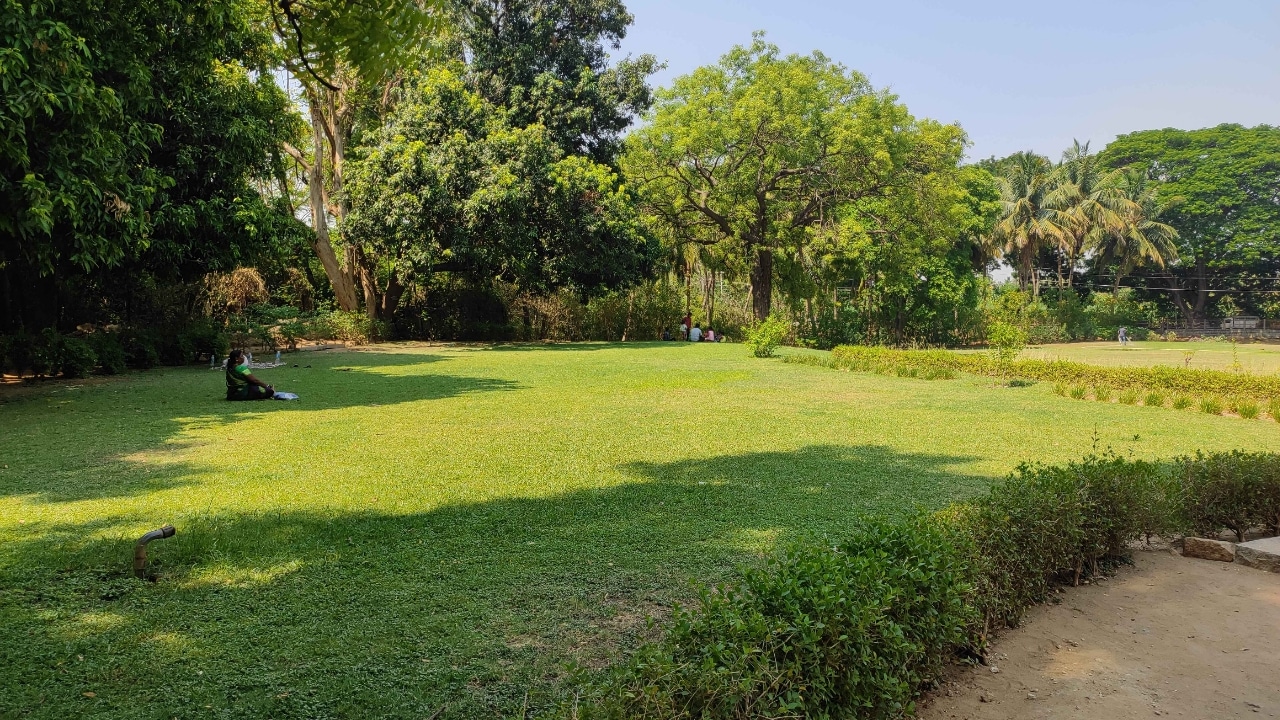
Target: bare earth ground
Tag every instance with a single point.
(1171, 637)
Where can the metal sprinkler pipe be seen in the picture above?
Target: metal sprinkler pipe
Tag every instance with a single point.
(140, 549)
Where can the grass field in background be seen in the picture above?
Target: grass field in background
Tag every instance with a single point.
(1259, 358)
(444, 528)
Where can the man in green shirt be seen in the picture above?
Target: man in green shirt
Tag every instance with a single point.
(241, 384)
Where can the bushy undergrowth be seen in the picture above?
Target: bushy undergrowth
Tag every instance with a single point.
(858, 628)
(763, 339)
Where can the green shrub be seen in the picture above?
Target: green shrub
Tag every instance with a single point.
(349, 327)
(175, 348)
(816, 632)
(1181, 402)
(909, 372)
(1079, 392)
(1129, 396)
(77, 358)
(1273, 408)
(1153, 398)
(939, 373)
(111, 357)
(1102, 393)
(1211, 405)
(1234, 491)
(764, 338)
(1247, 408)
(140, 349)
(1060, 388)
(46, 349)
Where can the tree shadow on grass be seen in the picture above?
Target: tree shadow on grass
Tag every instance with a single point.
(373, 614)
(74, 443)
(592, 346)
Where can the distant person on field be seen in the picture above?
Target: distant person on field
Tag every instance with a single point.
(666, 334)
(685, 324)
(241, 384)
(711, 335)
(695, 335)
(1124, 335)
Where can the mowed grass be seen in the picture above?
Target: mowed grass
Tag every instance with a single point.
(1261, 358)
(445, 529)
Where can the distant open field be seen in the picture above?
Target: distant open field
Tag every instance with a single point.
(435, 531)
(1253, 357)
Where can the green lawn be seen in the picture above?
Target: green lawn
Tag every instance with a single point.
(449, 526)
(1253, 357)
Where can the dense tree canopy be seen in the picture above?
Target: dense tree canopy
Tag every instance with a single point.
(761, 150)
(1227, 184)
(449, 183)
(132, 133)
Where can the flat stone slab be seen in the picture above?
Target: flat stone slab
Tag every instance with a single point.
(1262, 554)
(1205, 549)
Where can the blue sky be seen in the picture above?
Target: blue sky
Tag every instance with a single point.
(1015, 75)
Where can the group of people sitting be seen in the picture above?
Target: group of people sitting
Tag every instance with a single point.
(692, 332)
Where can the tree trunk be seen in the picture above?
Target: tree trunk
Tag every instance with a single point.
(762, 283)
(344, 290)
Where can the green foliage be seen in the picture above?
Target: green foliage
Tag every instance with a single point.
(1153, 398)
(1162, 378)
(1006, 342)
(349, 327)
(110, 352)
(1181, 402)
(1079, 392)
(76, 357)
(1129, 396)
(1273, 408)
(815, 632)
(1246, 408)
(449, 180)
(1060, 389)
(764, 338)
(1211, 405)
(774, 157)
(1234, 491)
(1102, 393)
(1228, 166)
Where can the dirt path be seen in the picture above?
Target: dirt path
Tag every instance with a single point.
(1172, 637)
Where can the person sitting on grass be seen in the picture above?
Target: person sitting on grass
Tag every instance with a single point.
(695, 335)
(241, 384)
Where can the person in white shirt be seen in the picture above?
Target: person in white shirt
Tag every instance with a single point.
(695, 335)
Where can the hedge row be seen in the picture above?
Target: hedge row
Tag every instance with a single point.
(48, 354)
(862, 627)
(1165, 378)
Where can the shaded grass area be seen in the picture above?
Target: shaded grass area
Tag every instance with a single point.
(447, 527)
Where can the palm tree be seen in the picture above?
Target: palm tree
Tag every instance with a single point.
(1027, 225)
(1086, 202)
(1141, 237)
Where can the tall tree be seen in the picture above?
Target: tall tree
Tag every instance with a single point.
(547, 62)
(1228, 221)
(1138, 236)
(1085, 202)
(1027, 224)
(343, 53)
(760, 148)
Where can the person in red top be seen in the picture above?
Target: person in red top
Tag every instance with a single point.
(687, 322)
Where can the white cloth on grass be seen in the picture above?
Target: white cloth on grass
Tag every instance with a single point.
(284, 396)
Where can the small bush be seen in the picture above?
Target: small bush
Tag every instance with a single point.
(1234, 491)
(350, 327)
(1079, 392)
(140, 350)
(1129, 396)
(1273, 409)
(1060, 388)
(1153, 399)
(1102, 393)
(77, 358)
(1211, 405)
(939, 374)
(764, 338)
(1247, 408)
(1181, 402)
(111, 357)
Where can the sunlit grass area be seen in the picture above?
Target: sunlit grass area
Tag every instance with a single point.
(1251, 357)
(446, 528)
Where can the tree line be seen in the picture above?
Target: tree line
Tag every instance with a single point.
(413, 160)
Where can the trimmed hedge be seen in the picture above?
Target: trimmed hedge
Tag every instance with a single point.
(1164, 378)
(861, 628)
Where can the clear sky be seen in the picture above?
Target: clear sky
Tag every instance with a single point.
(1016, 75)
